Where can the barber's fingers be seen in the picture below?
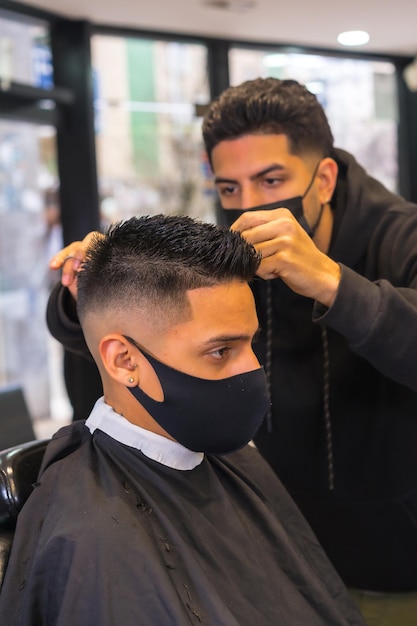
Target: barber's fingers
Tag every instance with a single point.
(251, 219)
(72, 251)
(70, 268)
(273, 234)
(75, 250)
(304, 269)
(70, 258)
(73, 286)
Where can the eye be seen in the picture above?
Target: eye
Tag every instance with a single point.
(220, 354)
(228, 190)
(272, 181)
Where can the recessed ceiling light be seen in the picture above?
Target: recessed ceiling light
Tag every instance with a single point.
(231, 5)
(353, 38)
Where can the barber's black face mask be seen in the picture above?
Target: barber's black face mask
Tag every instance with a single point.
(295, 205)
(212, 416)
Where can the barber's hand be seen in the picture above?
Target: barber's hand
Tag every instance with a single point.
(290, 254)
(69, 259)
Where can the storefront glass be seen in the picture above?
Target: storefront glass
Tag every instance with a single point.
(148, 136)
(359, 97)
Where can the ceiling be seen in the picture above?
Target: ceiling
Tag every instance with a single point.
(392, 24)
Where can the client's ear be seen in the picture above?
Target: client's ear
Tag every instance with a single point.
(119, 359)
(327, 177)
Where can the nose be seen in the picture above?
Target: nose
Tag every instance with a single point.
(249, 361)
(250, 198)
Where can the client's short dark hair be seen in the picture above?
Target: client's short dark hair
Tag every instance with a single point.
(269, 106)
(153, 261)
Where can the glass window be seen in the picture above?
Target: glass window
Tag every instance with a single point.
(25, 52)
(30, 233)
(359, 97)
(150, 153)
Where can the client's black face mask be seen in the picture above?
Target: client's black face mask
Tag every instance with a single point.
(212, 416)
(295, 205)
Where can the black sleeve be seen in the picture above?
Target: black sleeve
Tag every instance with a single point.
(63, 323)
(82, 378)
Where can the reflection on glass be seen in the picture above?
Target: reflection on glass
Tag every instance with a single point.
(359, 97)
(149, 147)
(30, 233)
(25, 52)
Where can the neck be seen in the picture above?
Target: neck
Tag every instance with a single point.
(323, 234)
(123, 403)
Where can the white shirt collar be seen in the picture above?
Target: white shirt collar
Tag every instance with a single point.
(156, 447)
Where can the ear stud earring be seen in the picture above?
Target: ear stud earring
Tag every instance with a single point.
(130, 380)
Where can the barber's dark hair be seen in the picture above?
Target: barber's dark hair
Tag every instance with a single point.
(269, 106)
(152, 261)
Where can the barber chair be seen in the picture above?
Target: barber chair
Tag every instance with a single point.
(19, 468)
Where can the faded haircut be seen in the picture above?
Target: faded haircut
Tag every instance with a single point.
(151, 262)
(267, 106)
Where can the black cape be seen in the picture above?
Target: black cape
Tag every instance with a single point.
(110, 537)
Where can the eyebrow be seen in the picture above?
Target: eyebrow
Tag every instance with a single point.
(266, 170)
(231, 338)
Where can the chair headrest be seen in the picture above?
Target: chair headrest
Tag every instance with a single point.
(19, 468)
